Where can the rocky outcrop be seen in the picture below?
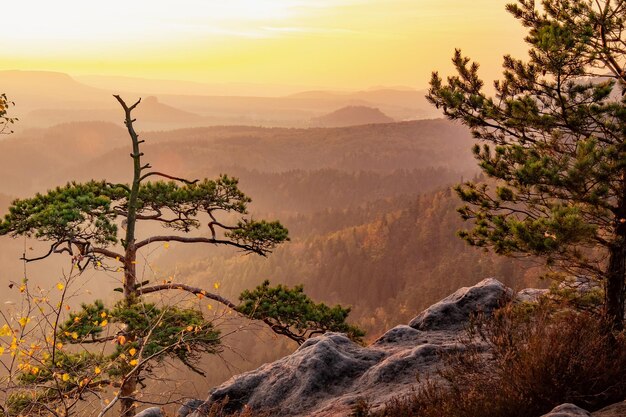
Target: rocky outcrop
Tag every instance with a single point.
(615, 410)
(151, 412)
(452, 312)
(351, 116)
(189, 407)
(567, 410)
(328, 374)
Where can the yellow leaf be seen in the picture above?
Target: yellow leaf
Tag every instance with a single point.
(74, 335)
(97, 370)
(24, 321)
(121, 339)
(210, 307)
(6, 330)
(60, 286)
(66, 377)
(104, 323)
(189, 328)
(166, 245)
(103, 314)
(59, 345)
(22, 288)
(216, 285)
(1, 350)
(132, 351)
(76, 319)
(133, 362)
(99, 264)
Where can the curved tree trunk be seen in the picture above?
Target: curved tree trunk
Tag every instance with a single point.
(127, 397)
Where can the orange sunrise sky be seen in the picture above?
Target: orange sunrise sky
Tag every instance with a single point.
(341, 44)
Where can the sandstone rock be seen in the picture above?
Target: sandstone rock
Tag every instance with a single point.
(322, 366)
(530, 295)
(453, 312)
(189, 407)
(567, 410)
(151, 412)
(329, 373)
(614, 410)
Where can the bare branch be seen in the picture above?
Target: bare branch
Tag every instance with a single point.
(160, 174)
(188, 288)
(52, 250)
(213, 241)
(123, 103)
(108, 253)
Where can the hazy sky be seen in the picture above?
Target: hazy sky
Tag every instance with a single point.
(330, 43)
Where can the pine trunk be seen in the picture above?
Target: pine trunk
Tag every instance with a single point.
(127, 395)
(130, 275)
(615, 278)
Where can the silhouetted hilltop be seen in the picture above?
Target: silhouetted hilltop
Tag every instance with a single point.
(152, 110)
(47, 98)
(35, 89)
(352, 116)
(401, 97)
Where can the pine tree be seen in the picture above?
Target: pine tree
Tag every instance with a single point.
(554, 143)
(84, 219)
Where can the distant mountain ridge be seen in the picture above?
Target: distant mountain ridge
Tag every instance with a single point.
(45, 98)
(352, 116)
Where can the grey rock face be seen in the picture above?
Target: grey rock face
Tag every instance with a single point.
(151, 412)
(452, 312)
(614, 410)
(530, 295)
(189, 407)
(567, 410)
(327, 374)
(321, 367)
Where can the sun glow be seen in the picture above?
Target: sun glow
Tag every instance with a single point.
(320, 42)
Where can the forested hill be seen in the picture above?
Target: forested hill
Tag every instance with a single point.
(371, 216)
(387, 259)
(369, 208)
(42, 158)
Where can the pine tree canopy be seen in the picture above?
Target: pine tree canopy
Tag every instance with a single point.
(552, 142)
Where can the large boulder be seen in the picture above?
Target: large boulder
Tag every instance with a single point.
(321, 368)
(614, 410)
(328, 374)
(453, 312)
(567, 410)
(189, 407)
(151, 412)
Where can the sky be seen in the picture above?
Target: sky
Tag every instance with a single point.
(341, 44)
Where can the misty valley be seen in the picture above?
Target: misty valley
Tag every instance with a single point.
(248, 209)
